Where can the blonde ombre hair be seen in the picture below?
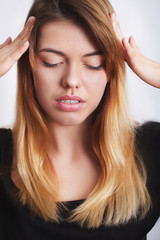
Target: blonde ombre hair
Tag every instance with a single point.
(120, 193)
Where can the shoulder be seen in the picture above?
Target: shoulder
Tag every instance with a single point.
(148, 145)
(150, 129)
(148, 138)
(6, 147)
(5, 136)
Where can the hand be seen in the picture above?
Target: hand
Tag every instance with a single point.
(146, 69)
(10, 51)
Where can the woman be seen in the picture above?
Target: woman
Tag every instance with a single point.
(75, 165)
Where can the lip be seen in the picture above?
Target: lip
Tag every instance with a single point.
(68, 107)
(66, 97)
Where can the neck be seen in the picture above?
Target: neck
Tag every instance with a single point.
(69, 143)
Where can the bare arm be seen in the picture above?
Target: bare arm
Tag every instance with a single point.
(10, 51)
(145, 68)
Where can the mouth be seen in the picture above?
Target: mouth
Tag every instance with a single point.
(69, 101)
(70, 104)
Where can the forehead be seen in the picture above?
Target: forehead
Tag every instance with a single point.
(65, 34)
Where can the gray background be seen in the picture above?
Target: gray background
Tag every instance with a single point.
(140, 18)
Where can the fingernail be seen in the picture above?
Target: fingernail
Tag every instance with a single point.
(31, 19)
(26, 44)
(9, 39)
(114, 17)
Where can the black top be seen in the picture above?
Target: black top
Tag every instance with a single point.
(17, 223)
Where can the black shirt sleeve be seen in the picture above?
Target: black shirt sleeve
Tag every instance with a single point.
(148, 142)
(6, 149)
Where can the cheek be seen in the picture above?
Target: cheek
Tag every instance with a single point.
(97, 84)
(43, 84)
(96, 87)
(44, 80)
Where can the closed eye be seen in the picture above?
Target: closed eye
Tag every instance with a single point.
(51, 65)
(95, 68)
(88, 66)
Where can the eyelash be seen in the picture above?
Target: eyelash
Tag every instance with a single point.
(50, 65)
(95, 68)
(89, 67)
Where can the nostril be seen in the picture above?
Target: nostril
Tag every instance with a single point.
(69, 83)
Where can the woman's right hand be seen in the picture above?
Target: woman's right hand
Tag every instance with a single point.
(10, 51)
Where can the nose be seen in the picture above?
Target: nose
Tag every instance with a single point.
(72, 76)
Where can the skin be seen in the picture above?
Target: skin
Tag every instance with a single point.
(10, 51)
(72, 76)
(145, 68)
(71, 152)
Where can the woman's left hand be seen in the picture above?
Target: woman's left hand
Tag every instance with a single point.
(146, 69)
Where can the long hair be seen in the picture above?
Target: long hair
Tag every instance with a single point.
(120, 193)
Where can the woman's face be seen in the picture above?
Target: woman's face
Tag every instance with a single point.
(70, 76)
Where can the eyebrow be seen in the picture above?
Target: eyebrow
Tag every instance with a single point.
(51, 50)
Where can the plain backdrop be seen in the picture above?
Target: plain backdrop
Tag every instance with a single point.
(139, 18)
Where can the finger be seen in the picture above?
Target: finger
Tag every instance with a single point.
(126, 45)
(11, 59)
(7, 42)
(25, 34)
(28, 26)
(22, 50)
(20, 44)
(128, 50)
(17, 54)
(116, 26)
(133, 43)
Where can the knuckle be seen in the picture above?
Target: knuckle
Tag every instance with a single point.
(130, 51)
(9, 60)
(20, 36)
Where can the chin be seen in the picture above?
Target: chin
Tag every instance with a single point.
(71, 122)
(68, 120)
